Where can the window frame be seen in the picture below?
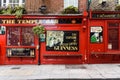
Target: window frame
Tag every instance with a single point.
(21, 37)
(117, 27)
(21, 2)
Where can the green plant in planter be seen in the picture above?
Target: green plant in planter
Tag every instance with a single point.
(18, 11)
(117, 8)
(39, 29)
(70, 10)
(6, 10)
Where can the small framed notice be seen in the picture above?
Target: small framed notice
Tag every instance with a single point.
(96, 34)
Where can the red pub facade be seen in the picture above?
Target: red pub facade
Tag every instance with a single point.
(105, 26)
(86, 38)
(63, 42)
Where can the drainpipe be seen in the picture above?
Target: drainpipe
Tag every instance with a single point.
(88, 6)
(39, 52)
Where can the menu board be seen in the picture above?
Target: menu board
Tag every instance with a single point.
(62, 41)
(20, 52)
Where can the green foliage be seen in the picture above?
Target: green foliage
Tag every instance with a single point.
(7, 10)
(18, 11)
(70, 10)
(39, 29)
(117, 8)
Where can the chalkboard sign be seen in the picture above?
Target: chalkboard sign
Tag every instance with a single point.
(62, 41)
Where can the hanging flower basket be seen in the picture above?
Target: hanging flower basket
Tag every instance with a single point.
(39, 29)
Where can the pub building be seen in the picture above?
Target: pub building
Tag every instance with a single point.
(64, 40)
(87, 37)
(104, 38)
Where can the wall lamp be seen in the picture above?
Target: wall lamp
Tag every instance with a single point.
(43, 9)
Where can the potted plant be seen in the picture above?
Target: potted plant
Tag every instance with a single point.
(6, 10)
(17, 11)
(70, 10)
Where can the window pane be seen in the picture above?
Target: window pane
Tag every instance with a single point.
(4, 1)
(4, 5)
(23, 1)
(113, 38)
(13, 36)
(70, 3)
(10, 1)
(27, 37)
(16, 1)
(0, 3)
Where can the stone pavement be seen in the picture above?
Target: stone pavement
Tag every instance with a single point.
(83, 71)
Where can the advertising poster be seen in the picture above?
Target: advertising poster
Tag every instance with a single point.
(62, 41)
(96, 34)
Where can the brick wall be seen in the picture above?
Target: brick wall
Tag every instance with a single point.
(53, 6)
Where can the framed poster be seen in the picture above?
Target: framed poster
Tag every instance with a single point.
(96, 34)
(62, 41)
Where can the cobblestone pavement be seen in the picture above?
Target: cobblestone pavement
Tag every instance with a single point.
(83, 71)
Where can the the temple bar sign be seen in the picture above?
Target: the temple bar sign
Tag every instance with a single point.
(28, 21)
(18, 21)
(106, 15)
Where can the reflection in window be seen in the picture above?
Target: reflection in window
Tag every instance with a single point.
(13, 36)
(27, 37)
(70, 3)
(113, 36)
(17, 36)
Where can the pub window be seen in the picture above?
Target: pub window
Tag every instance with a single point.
(68, 3)
(18, 36)
(113, 36)
(117, 1)
(12, 3)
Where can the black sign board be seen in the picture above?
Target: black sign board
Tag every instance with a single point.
(106, 15)
(62, 41)
(20, 52)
